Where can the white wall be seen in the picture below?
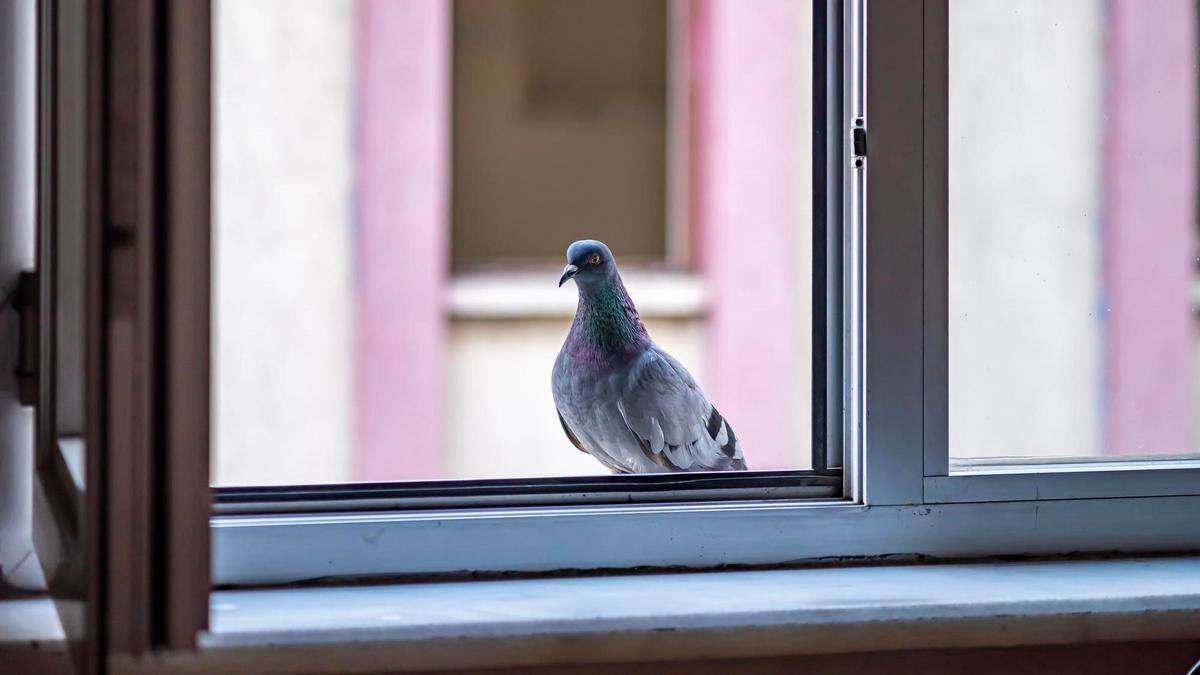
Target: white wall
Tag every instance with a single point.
(1025, 142)
(17, 134)
(283, 168)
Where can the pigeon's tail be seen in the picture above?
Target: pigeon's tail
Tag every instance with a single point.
(722, 433)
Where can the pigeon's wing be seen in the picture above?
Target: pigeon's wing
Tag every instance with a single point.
(674, 423)
(570, 434)
(600, 457)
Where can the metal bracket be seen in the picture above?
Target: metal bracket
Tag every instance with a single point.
(24, 300)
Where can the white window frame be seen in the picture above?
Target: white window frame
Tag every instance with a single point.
(901, 498)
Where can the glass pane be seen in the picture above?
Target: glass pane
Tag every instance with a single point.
(396, 184)
(1073, 229)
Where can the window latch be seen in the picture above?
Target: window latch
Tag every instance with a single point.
(859, 142)
(23, 298)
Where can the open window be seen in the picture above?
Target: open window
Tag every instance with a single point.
(917, 322)
(385, 307)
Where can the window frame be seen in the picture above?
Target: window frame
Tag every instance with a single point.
(743, 498)
(124, 567)
(994, 481)
(900, 498)
(418, 503)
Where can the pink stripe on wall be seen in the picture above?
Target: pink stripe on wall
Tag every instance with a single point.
(403, 174)
(746, 117)
(1150, 225)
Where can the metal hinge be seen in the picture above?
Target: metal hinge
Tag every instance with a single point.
(23, 299)
(858, 142)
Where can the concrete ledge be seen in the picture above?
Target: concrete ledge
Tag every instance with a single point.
(714, 615)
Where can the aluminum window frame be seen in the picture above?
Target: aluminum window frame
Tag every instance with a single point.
(946, 481)
(414, 505)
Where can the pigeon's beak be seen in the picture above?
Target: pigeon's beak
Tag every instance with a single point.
(568, 273)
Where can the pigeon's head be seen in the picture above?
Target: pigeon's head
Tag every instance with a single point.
(588, 262)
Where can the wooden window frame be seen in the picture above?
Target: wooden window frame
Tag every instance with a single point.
(126, 560)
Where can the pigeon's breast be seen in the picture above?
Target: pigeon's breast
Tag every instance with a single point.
(587, 399)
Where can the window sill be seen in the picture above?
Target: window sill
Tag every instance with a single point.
(707, 615)
(31, 637)
(532, 294)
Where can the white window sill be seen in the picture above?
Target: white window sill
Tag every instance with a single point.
(701, 615)
(533, 294)
(31, 637)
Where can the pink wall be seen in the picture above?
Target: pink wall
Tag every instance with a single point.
(403, 173)
(745, 120)
(1149, 226)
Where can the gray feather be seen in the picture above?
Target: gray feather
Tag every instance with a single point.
(657, 387)
(646, 416)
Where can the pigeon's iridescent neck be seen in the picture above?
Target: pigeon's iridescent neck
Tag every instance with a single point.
(607, 325)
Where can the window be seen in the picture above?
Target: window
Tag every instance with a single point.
(1072, 225)
(454, 152)
(384, 291)
(889, 457)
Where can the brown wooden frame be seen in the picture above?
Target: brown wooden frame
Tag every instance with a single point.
(157, 324)
(137, 543)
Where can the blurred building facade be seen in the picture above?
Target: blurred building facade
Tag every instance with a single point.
(396, 181)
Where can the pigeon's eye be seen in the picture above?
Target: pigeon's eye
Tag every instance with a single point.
(595, 260)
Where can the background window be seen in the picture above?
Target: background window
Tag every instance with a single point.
(560, 128)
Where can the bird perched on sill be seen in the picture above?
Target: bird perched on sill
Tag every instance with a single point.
(620, 397)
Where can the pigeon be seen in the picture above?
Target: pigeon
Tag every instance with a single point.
(620, 397)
